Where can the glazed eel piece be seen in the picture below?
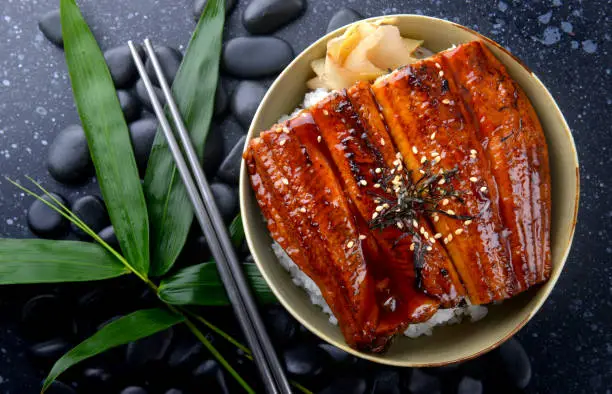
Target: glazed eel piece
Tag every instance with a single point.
(514, 142)
(309, 216)
(430, 126)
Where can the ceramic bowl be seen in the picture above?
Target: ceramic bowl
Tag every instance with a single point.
(448, 344)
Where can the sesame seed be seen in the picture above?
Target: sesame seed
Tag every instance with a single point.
(446, 101)
(362, 237)
(429, 248)
(437, 159)
(385, 205)
(438, 236)
(363, 182)
(432, 240)
(438, 65)
(376, 185)
(458, 231)
(422, 230)
(445, 241)
(483, 189)
(450, 212)
(445, 201)
(286, 130)
(374, 215)
(399, 225)
(325, 112)
(422, 172)
(282, 142)
(379, 208)
(377, 200)
(435, 154)
(441, 73)
(303, 210)
(482, 119)
(319, 138)
(382, 141)
(450, 237)
(398, 155)
(442, 181)
(426, 235)
(396, 162)
(473, 152)
(415, 223)
(468, 222)
(343, 120)
(350, 244)
(285, 181)
(279, 130)
(473, 179)
(378, 170)
(423, 159)
(415, 150)
(433, 135)
(412, 246)
(436, 218)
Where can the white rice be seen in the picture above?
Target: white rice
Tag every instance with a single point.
(440, 318)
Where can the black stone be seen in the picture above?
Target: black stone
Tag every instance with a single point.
(68, 160)
(337, 355)
(229, 171)
(121, 66)
(304, 361)
(213, 152)
(44, 221)
(51, 349)
(515, 362)
(256, 57)
(96, 380)
(422, 383)
(245, 101)
(282, 327)
(143, 96)
(227, 200)
(152, 348)
(386, 382)
(142, 134)
(343, 17)
(91, 210)
(108, 235)
(174, 391)
(134, 390)
(130, 105)
(468, 385)
(185, 354)
(169, 60)
(198, 7)
(266, 16)
(58, 387)
(210, 375)
(51, 27)
(46, 316)
(346, 386)
(221, 100)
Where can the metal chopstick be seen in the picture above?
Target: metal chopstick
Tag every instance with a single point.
(214, 229)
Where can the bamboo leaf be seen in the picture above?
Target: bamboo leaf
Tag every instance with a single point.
(236, 231)
(107, 136)
(194, 89)
(132, 327)
(46, 261)
(201, 285)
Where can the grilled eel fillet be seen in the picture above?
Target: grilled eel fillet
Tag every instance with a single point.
(430, 125)
(516, 148)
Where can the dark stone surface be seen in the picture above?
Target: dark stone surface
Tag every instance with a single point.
(256, 57)
(213, 151)
(51, 26)
(143, 96)
(304, 361)
(44, 221)
(58, 387)
(346, 386)
(229, 171)
(169, 61)
(226, 199)
(245, 101)
(142, 134)
(92, 211)
(108, 235)
(343, 17)
(568, 341)
(198, 7)
(68, 160)
(130, 105)
(121, 66)
(267, 16)
(221, 100)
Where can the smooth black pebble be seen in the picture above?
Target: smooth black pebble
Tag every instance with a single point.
(229, 171)
(51, 27)
(209, 373)
(227, 200)
(108, 235)
(152, 348)
(281, 326)
(143, 96)
(91, 210)
(266, 16)
(46, 316)
(121, 65)
(51, 349)
(346, 385)
(245, 101)
(130, 105)
(515, 362)
(422, 383)
(344, 16)
(134, 390)
(58, 387)
(386, 382)
(198, 7)
(337, 355)
(221, 100)
(174, 391)
(185, 353)
(142, 134)
(213, 152)
(96, 380)
(44, 221)
(256, 57)
(169, 60)
(468, 385)
(304, 361)
(68, 160)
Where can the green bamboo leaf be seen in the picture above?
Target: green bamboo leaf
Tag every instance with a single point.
(132, 327)
(194, 89)
(236, 231)
(200, 285)
(107, 135)
(46, 261)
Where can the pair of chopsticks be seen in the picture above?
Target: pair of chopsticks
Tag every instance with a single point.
(214, 229)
